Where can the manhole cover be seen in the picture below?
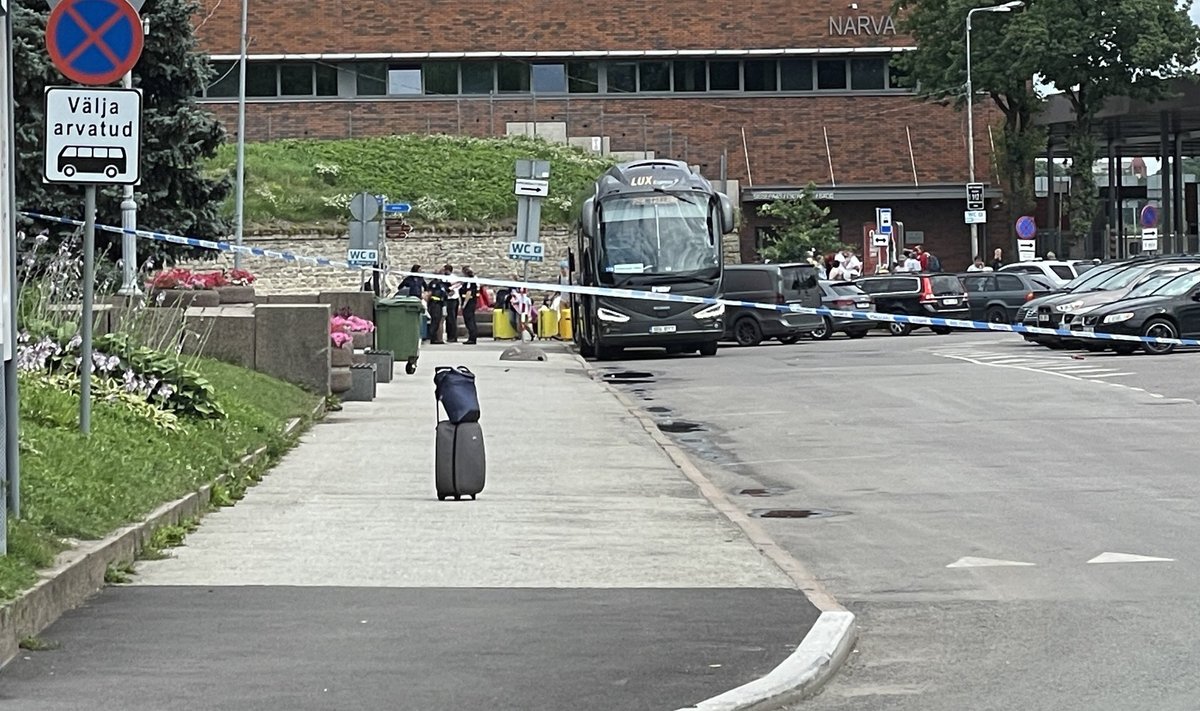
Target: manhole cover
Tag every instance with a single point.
(773, 491)
(793, 513)
(678, 426)
(658, 408)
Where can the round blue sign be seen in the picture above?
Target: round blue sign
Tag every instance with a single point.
(1149, 215)
(94, 42)
(1026, 227)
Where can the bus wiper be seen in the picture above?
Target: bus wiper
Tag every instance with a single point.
(684, 198)
(676, 279)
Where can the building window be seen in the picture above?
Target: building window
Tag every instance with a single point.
(583, 77)
(724, 76)
(224, 80)
(514, 77)
(327, 79)
(796, 75)
(690, 76)
(622, 78)
(831, 74)
(654, 76)
(295, 80)
(549, 78)
(762, 75)
(263, 80)
(897, 77)
(441, 78)
(478, 78)
(868, 74)
(371, 79)
(404, 80)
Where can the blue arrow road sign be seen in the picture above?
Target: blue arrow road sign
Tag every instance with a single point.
(397, 207)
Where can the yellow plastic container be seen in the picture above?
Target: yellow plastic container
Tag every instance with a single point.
(564, 324)
(547, 322)
(502, 329)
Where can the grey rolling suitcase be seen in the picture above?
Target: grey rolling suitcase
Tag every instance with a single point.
(460, 460)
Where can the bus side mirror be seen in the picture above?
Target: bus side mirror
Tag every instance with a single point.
(589, 221)
(726, 213)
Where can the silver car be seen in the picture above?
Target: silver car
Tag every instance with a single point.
(844, 296)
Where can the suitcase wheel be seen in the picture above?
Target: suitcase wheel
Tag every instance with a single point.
(472, 497)
(441, 497)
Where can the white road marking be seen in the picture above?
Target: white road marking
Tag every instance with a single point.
(971, 562)
(1114, 375)
(1128, 558)
(1061, 367)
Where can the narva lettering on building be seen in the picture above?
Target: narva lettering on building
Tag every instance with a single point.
(862, 25)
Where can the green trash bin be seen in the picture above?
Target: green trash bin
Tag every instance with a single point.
(398, 328)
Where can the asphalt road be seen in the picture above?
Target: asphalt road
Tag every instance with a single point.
(250, 648)
(975, 500)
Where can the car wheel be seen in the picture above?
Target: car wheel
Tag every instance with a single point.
(899, 329)
(941, 330)
(825, 331)
(1159, 328)
(747, 332)
(1125, 349)
(708, 349)
(997, 314)
(857, 333)
(788, 340)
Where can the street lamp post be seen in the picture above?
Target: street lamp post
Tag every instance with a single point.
(1006, 7)
(240, 199)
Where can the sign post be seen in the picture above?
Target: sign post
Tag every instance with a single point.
(10, 499)
(532, 184)
(976, 212)
(365, 229)
(1149, 220)
(93, 135)
(1026, 227)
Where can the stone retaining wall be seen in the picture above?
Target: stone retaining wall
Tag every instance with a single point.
(484, 251)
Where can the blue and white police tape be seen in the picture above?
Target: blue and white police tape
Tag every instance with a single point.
(653, 295)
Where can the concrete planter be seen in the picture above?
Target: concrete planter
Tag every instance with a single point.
(383, 362)
(184, 298)
(364, 340)
(236, 294)
(362, 387)
(340, 357)
(340, 380)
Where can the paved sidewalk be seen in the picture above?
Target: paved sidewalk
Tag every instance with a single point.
(590, 574)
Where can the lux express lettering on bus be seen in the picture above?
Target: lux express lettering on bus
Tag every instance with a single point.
(108, 126)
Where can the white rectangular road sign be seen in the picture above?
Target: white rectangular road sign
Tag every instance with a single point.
(532, 188)
(362, 256)
(883, 219)
(878, 240)
(1150, 240)
(1026, 249)
(526, 251)
(975, 217)
(93, 136)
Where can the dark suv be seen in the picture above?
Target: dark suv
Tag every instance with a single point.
(936, 295)
(791, 284)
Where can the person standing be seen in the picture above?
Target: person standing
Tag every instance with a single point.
(412, 285)
(997, 259)
(452, 303)
(436, 305)
(469, 293)
(978, 265)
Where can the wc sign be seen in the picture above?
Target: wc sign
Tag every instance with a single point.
(526, 251)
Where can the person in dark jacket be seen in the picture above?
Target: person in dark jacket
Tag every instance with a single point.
(469, 296)
(412, 285)
(436, 304)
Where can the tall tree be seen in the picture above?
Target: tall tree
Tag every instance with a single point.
(177, 134)
(1099, 50)
(1003, 64)
(804, 226)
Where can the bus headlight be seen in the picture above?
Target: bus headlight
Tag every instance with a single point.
(609, 315)
(714, 311)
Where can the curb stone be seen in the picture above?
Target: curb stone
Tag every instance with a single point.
(830, 640)
(78, 573)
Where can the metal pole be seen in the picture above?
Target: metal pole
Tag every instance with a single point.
(1166, 178)
(241, 139)
(85, 328)
(11, 489)
(129, 285)
(1114, 181)
(1120, 205)
(971, 131)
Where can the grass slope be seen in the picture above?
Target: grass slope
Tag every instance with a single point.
(84, 488)
(445, 178)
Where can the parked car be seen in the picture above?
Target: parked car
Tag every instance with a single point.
(937, 295)
(1059, 272)
(1058, 312)
(844, 296)
(996, 297)
(770, 284)
(1167, 307)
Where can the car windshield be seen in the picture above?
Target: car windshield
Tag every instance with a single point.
(1151, 285)
(1093, 277)
(1122, 279)
(945, 285)
(847, 290)
(659, 235)
(1180, 285)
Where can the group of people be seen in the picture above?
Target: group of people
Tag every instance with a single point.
(978, 264)
(843, 265)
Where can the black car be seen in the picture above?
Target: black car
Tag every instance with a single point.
(996, 297)
(913, 294)
(793, 284)
(1171, 309)
(844, 296)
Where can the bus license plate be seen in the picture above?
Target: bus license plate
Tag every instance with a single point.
(662, 329)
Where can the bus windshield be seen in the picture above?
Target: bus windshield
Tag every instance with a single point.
(660, 235)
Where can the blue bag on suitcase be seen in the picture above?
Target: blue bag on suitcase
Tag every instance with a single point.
(454, 388)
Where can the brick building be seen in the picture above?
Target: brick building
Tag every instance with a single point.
(785, 93)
